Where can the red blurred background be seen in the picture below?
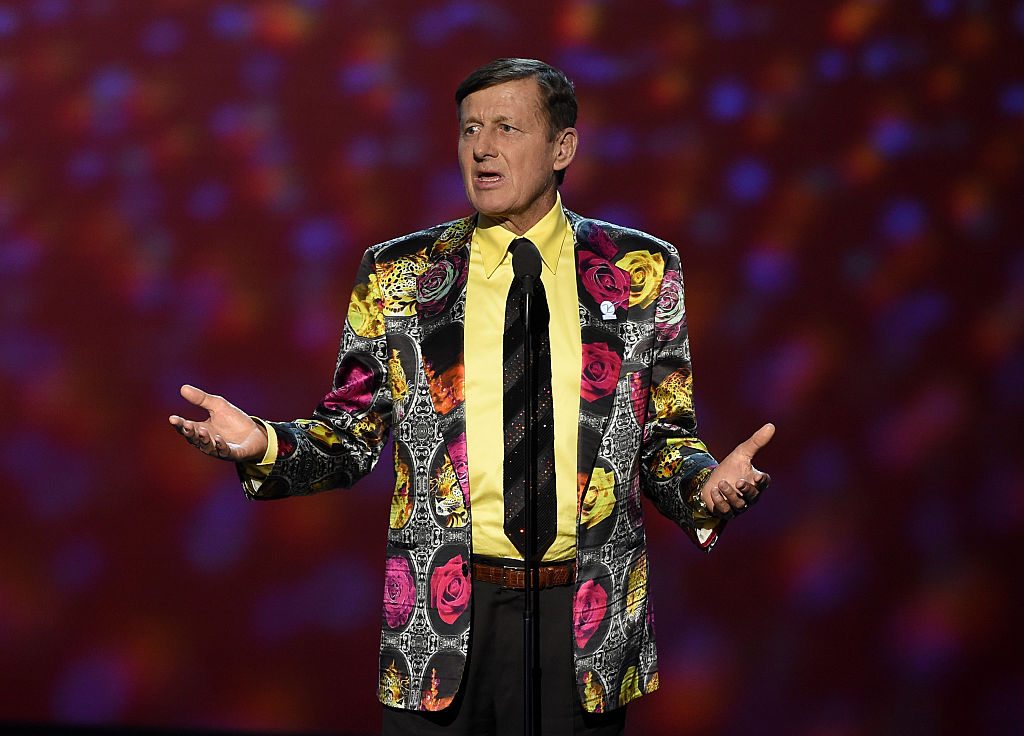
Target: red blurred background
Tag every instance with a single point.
(186, 188)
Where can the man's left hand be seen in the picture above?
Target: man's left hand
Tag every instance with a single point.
(736, 484)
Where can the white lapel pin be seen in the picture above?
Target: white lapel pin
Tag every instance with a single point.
(607, 310)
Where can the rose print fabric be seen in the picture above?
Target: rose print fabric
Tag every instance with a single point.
(400, 368)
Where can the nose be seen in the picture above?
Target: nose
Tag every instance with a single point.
(483, 145)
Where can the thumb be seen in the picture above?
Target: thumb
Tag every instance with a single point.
(195, 396)
(758, 440)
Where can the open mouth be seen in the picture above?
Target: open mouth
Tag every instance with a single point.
(488, 177)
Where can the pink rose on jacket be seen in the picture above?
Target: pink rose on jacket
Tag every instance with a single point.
(669, 312)
(600, 370)
(449, 590)
(399, 592)
(588, 609)
(354, 382)
(434, 284)
(603, 280)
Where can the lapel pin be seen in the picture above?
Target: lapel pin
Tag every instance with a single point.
(607, 310)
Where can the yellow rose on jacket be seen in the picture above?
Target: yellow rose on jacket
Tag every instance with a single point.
(365, 313)
(645, 272)
(630, 688)
(599, 500)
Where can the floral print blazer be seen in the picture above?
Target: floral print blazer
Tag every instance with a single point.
(400, 367)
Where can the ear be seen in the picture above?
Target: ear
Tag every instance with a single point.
(566, 148)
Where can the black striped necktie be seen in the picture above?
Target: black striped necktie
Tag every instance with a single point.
(514, 412)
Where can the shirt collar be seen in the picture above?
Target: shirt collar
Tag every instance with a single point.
(548, 235)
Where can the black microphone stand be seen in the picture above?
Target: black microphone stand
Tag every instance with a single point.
(531, 619)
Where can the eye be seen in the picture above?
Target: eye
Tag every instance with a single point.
(471, 129)
(506, 128)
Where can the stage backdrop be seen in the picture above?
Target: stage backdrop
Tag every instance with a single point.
(186, 188)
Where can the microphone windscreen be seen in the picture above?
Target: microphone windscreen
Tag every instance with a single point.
(525, 259)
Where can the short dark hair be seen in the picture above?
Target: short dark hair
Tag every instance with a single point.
(558, 95)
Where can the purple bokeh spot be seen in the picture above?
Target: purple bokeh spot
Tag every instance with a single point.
(316, 238)
(230, 21)
(227, 120)
(218, 534)
(726, 21)
(93, 689)
(939, 8)
(19, 256)
(208, 201)
(832, 64)
(827, 580)
(617, 144)
(435, 25)
(915, 316)
(262, 72)
(591, 67)
(880, 57)
(86, 167)
(1011, 100)
(55, 479)
(892, 136)
(748, 180)
(362, 77)
(112, 84)
(824, 466)
(769, 271)
(727, 99)
(365, 152)
(903, 220)
(47, 12)
(9, 22)
(22, 352)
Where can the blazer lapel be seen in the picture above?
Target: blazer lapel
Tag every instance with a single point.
(441, 309)
(603, 292)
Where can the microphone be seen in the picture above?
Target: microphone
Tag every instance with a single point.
(525, 262)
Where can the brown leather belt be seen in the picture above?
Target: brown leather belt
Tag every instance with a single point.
(513, 575)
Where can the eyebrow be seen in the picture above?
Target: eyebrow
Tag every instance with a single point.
(497, 119)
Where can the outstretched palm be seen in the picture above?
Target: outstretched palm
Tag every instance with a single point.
(229, 433)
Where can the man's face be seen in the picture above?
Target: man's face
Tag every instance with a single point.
(507, 156)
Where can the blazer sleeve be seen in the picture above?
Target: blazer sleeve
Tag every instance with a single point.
(343, 439)
(675, 463)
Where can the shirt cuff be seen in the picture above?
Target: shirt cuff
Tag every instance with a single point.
(256, 472)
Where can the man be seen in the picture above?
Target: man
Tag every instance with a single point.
(620, 397)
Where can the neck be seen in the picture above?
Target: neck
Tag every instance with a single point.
(520, 222)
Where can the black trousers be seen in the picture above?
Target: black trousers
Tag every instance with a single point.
(490, 698)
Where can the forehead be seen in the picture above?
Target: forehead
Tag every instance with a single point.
(518, 98)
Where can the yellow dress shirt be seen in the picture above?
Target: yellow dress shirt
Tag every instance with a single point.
(490, 276)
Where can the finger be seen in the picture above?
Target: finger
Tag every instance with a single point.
(203, 435)
(726, 498)
(757, 441)
(198, 397)
(748, 491)
(220, 447)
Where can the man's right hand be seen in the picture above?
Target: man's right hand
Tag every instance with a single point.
(229, 433)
